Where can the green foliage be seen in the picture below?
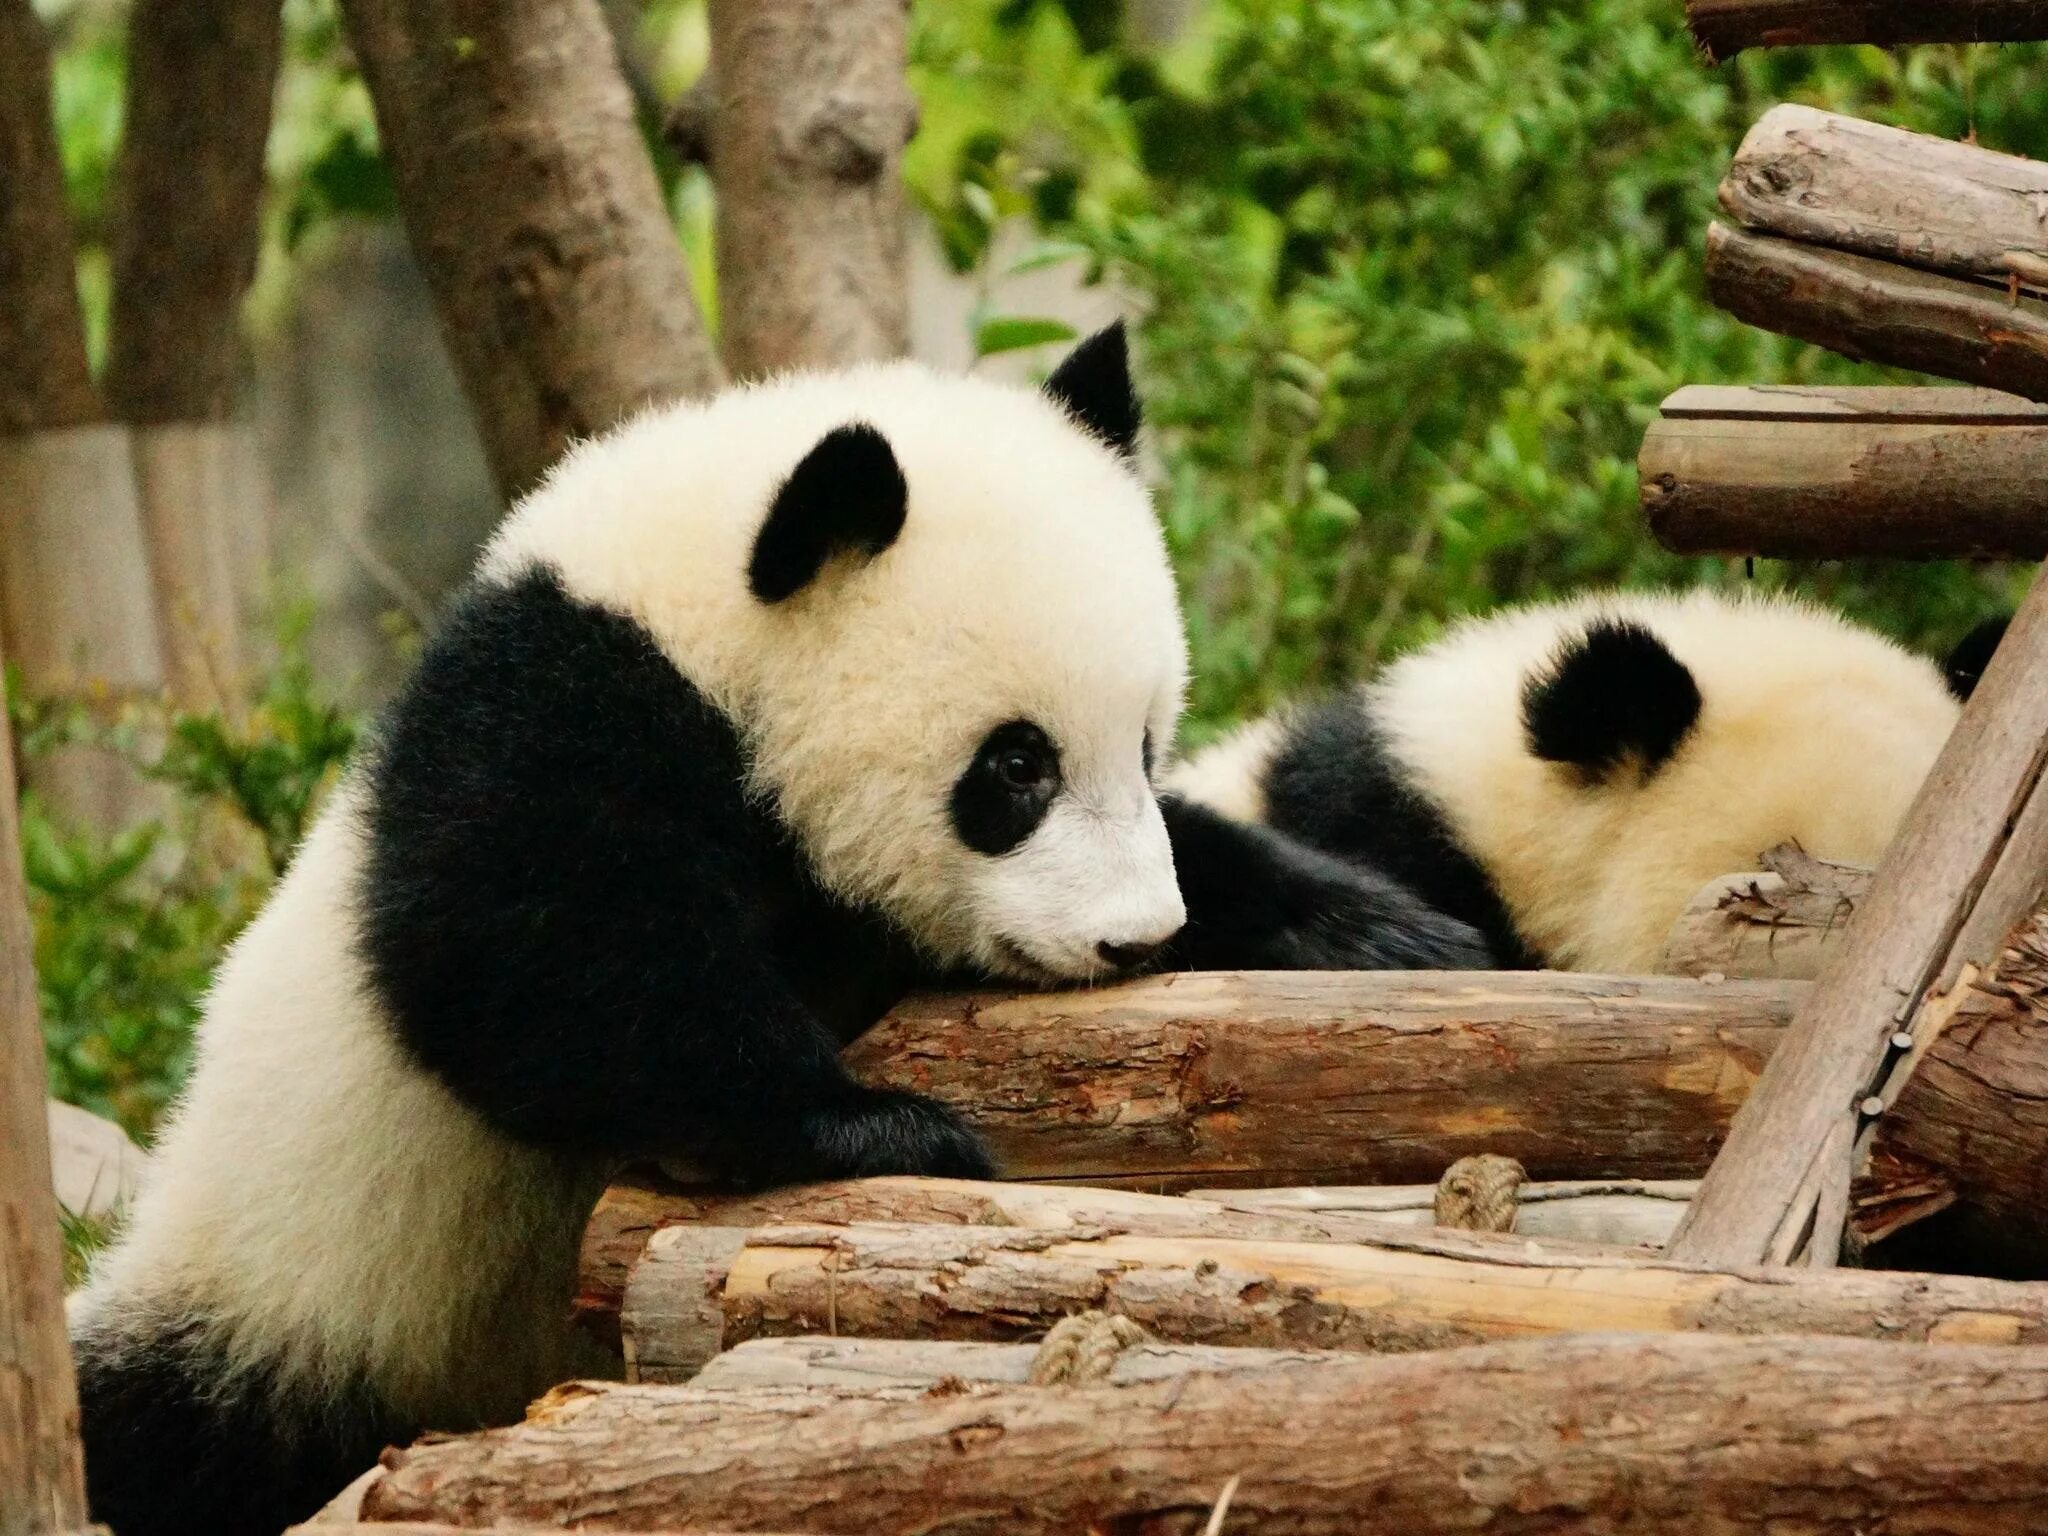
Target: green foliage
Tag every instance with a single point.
(129, 926)
(1416, 274)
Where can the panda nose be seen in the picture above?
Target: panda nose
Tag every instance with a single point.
(1127, 956)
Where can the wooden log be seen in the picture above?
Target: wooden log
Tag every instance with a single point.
(811, 112)
(631, 1212)
(534, 210)
(693, 1294)
(1307, 1077)
(1621, 1213)
(1672, 1436)
(1965, 867)
(42, 1476)
(1908, 474)
(1783, 921)
(1885, 192)
(912, 1367)
(1882, 311)
(1723, 28)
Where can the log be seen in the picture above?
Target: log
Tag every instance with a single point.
(903, 1368)
(42, 1472)
(1619, 1213)
(534, 211)
(1671, 1436)
(1723, 28)
(694, 1293)
(1784, 921)
(1904, 474)
(631, 1212)
(810, 115)
(1967, 864)
(1885, 192)
(1881, 311)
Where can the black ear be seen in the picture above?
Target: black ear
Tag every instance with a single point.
(1613, 693)
(1094, 386)
(1966, 663)
(848, 494)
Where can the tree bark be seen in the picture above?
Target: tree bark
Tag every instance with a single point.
(1967, 864)
(811, 115)
(1676, 1436)
(1339, 1077)
(1723, 28)
(1614, 1213)
(534, 211)
(186, 230)
(1784, 921)
(695, 1293)
(1881, 311)
(42, 1479)
(908, 1368)
(629, 1214)
(1919, 474)
(1884, 192)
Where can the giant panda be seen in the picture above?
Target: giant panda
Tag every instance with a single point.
(1566, 776)
(754, 714)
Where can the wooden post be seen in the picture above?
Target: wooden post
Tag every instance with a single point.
(1965, 867)
(811, 112)
(42, 1478)
(535, 214)
(1723, 28)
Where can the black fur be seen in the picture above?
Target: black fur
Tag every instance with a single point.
(156, 1418)
(581, 923)
(1002, 795)
(1093, 383)
(1972, 654)
(1333, 786)
(846, 496)
(1613, 694)
(1258, 900)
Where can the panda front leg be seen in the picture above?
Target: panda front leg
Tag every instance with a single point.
(1259, 900)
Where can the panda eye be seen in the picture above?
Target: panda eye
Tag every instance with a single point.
(1007, 788)
(1022, 770)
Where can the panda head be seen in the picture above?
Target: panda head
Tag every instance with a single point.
(941, 614)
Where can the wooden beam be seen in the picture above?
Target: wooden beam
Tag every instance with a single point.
(1723, 28)
(1882, 311)
(1627, 1213)
(1782, 921)
(1677, 1436)
(915, 1366)
(1913, 474)
(42, 1477)
(1927, 917)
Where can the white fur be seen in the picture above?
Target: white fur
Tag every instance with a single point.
(326, 1207)
(1811, 730)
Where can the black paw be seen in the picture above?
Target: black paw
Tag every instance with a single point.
(877, 1132)
(1362, 922)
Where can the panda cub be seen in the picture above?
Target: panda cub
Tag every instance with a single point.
(756, 713)
(1565, 777)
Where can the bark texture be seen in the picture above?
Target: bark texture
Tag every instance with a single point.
(908, 1368)
(42, 1477)
(692, 1294)
(1719, 1437)
(1783, 921)
(1723, 28)
(1967, 864)
(188, 203)
(811, 113)
(1881, 311)
(1766, 472)
(1623, 1213)
(534, 211)
(44, 378)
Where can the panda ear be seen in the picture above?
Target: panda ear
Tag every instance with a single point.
(1966, 663)
(847, 496)
(1093, 385)
(1613, 693)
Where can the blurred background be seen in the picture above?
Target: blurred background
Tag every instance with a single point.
(1407, 280)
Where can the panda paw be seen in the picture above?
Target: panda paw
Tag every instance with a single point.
(1361, 922)
(876, 1132)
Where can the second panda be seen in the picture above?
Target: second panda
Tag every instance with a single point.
(1566, 776)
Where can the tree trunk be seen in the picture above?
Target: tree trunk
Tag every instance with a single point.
(1967, 864)
(534, 211)
(1613, 1213)
(695, 1292)
(1831, 474)
(187, 225)
(42, 1481)
(630, 1214)
(907, 1368)
(1784, 921)
(1628, 1437)
(1881, 311)
(1723, 28)
(811, 115)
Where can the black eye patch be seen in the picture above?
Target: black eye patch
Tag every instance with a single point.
(1006, 788)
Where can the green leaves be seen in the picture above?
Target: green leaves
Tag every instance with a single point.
(1014, 332)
